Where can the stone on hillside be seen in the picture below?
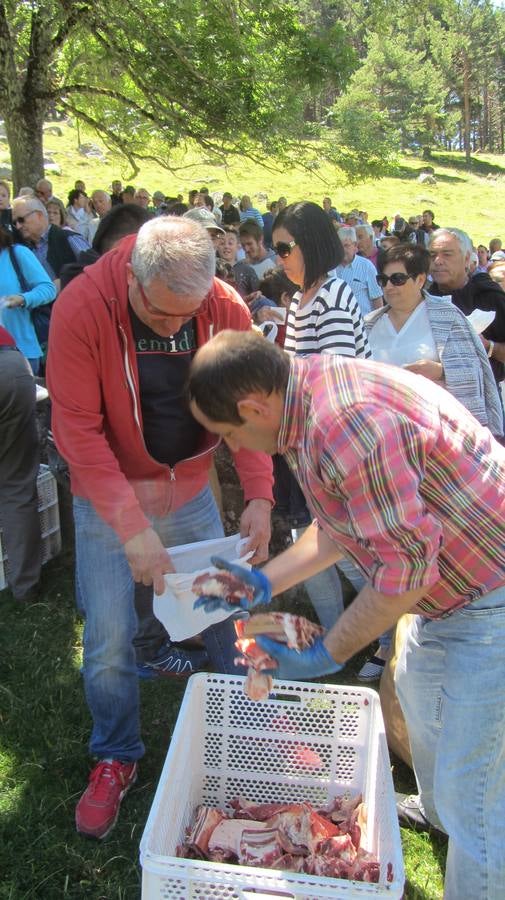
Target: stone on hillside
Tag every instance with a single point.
(55, 130)
(426, 178)
(51, 167)
(428, 170)
(91, 151)
(5, 172)
(261, 196)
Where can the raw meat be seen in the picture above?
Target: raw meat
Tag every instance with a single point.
(260, 848)
(228, 834)
(292, 837)
(295, 631)
(206, 821)
(222, 584)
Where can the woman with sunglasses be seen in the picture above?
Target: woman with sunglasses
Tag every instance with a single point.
(430, 336)
(323, 317)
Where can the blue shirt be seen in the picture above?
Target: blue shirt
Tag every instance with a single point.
(42, 290)
(253, 214)
(360, 276)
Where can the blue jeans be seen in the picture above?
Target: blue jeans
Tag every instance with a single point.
(35, 365)
(325, 588)
(105, 588)
(450, 680)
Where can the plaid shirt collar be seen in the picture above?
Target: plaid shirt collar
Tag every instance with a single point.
(293, 416)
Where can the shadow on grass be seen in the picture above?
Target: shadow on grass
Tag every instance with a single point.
(477, 165)
(44, 761)
(440, 160)
(405, 172)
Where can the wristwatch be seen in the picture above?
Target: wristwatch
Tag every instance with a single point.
(490, 349)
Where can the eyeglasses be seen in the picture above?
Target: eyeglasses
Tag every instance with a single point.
(20, 219)
(161, 313)
(398, 279)
(283, 248)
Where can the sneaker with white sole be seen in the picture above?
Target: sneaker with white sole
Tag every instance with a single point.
(174, 661)
(98, 809)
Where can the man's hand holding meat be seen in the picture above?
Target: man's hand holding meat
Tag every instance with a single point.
(299, 665)
(257, 590)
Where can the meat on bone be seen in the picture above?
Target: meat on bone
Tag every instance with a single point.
(295, 631)
(224, 585)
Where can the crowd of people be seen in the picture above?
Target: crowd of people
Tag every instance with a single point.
(371, 415)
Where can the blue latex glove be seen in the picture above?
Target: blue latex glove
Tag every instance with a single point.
(299, 665)
(253, 577)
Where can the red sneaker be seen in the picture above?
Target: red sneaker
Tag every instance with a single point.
(98, 809)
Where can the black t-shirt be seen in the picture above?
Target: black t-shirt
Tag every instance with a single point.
(481, 292)
(170, 431)
(231, 216)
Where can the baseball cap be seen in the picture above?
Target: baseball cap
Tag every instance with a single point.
(498, 254)
(204, 217)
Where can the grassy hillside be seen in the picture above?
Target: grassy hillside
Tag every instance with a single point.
(468, 199)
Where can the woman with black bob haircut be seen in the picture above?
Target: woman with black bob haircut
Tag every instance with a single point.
(323, 317)
(315, 238)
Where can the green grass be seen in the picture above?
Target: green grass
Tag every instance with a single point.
(461, 197)
(44, 729)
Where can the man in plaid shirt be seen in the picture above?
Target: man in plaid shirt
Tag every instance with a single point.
(403, 480)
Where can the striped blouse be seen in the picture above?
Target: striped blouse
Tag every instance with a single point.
(400, 475)
(330, 323)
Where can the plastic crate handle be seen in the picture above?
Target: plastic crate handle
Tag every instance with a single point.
(255, 895)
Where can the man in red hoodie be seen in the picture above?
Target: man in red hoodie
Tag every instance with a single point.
(122, 338)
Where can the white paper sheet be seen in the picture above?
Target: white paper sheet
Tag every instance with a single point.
(481, 318)
(174, 608)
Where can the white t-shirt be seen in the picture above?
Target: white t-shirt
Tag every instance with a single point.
(413, 341)
(330, 323)
(264, 266)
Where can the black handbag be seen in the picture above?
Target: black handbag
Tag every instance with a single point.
(40, 315)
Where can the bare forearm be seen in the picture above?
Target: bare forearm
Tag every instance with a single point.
(314, 552)
(366, 618)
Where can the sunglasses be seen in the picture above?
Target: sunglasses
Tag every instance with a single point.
(20, 219)
(283, 248)
(161, 313)
(398, 279)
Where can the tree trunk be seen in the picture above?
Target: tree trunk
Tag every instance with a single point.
(24, 133)
(487, 140)
(466, 107)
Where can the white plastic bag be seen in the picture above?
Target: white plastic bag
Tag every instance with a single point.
(174, 608)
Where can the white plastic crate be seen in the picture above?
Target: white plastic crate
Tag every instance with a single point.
(49, 515)
(225, 745)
